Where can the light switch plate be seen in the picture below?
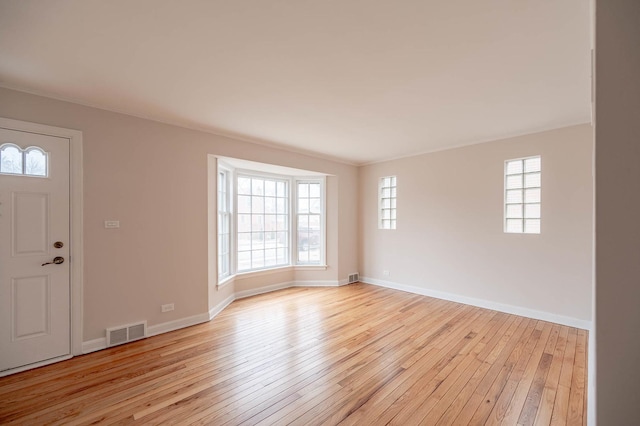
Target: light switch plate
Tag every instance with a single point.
(111, 224)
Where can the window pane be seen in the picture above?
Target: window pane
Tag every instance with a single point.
(532, 164)
(244, 223)
(244, 241)
(270, 188)
(270, 257)
(386, 192)
(514, 182)
(283, 223)
(303, 240)
(314, 205)
(257, 186)
(514, 225)
(532, 195)
(269, 222)
(269, 205)
(244, 204)
(11, 160)
(257, 259)
(514, 211)
(532, 211)
(314, 190)
(532, 226)
(36, 163)
(514, 167)
(257, 204)
(257, 223)
(281, 189)
(514, 196)
(244, 186)
(303, 205)
(532, 180)
(282, 239)
(303, 190)
(226, 220)
(314, 222)
(244, 260)
(257, 240)
(282, 257)
(314, 255)
(303, 222)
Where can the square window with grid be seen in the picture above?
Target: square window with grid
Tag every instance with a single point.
(263, 222)
(523, 183)
(387, 203)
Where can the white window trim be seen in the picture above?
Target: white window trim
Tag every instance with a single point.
(323, 221)
(261, 175)
(504, 193)
(380, 218)
(222, 167)
(23, 154)
(292, 182)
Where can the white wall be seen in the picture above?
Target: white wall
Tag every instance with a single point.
(153, 178)
(618, 211)
(450, 238)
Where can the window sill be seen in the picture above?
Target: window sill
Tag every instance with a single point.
(310, 267)
(226, 281)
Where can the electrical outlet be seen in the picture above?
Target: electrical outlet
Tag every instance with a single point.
(385, 273)
(168, 307)
(110, 224)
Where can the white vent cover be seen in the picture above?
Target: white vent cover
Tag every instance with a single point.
(126, 333)
(354, 278)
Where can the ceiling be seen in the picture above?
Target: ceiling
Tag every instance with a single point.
(355, 80)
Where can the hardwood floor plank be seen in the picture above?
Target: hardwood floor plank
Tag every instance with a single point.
(561, 405)
(543, 416)
(352, 355)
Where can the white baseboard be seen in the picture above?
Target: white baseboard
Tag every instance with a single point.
(288, 284)
(94, 345)
(482, 303)
(213, 312)
(317, 283)
(261, 290)
(166, 327)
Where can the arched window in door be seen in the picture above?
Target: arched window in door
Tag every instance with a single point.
(31, 161)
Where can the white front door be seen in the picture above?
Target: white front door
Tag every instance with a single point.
(34, 230)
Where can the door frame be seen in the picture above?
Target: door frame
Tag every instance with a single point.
(75, 221)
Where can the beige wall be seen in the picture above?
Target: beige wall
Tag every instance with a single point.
(153, 178)
(450, 238)
(618, 211)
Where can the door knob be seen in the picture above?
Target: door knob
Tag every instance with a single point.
(56, 261)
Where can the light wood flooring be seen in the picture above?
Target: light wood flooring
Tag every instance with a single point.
(353, 355)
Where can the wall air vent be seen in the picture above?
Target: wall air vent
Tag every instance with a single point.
(354, 278)
(126, 333)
